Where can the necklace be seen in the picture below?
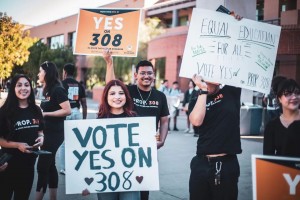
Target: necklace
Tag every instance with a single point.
(144, 101)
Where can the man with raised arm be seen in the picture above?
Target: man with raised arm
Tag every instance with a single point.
(147, 100)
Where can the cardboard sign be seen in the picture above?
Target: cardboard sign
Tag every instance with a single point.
(275, 177)
(116, 29)
(111, 155)
(224, 50)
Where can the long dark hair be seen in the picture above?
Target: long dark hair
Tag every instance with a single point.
(51, 76)
(11, 104)
(104, 109)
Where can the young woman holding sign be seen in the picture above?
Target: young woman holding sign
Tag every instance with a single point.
(116, 103)
(281, 135)
(21, 125)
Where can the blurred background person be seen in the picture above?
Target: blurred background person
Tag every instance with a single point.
(77, 97)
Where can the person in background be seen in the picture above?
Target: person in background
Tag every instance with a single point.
(271, 102)
(185, 104)
(164, 87)
(147, 100)
(282, 136)
(76, 95)
(56, 107)
(174, 93)
(21, 125)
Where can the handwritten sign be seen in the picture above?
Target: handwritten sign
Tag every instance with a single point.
(275, 177)
(116, 29)
(225, 50)
(110, 155)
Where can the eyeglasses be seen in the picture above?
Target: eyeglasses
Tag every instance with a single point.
(290, 93)
(146, 73)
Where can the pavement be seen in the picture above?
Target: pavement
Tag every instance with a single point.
(174, 159)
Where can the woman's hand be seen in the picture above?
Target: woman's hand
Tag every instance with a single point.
(85, 192)
(107, 56)
(24, 147)
(39, 141)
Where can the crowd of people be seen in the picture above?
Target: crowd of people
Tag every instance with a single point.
(27, 129)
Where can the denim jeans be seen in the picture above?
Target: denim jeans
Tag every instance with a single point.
(119, 196)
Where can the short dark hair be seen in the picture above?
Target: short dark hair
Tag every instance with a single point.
(175, 82)
(289, 85)
(143, 63)
(69, 69)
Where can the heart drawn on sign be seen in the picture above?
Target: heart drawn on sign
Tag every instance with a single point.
(89, 180)
(139, 178)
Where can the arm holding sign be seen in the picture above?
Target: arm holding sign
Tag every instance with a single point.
(198, 113)
(110, 71)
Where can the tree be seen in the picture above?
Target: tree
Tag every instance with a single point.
(31, 68)
(14, 45)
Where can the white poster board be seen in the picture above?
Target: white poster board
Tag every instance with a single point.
(115, 154)
(225, 50)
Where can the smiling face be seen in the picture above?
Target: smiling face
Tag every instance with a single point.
(290, 100)
(22, 89)
(145, 77)
(116, 99)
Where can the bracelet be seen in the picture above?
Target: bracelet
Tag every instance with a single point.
(41, 135)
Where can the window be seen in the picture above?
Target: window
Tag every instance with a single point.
(72, 39)
(260, 10)
(56, 41)
(183, 20)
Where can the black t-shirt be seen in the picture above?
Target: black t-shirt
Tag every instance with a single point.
(75, 91)
(149, 104)
(282, 141)
(51, 103)
(220, 130)
(25, 127)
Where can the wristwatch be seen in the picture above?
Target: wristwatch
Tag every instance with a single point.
(202, 92)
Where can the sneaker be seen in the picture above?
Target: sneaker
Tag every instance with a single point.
(175, 129)
(62, 172)
(196, 135)
(191, 131)
(187, 130)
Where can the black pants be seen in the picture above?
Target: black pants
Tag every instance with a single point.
(47, 172)
(18, 177)
(202, 178)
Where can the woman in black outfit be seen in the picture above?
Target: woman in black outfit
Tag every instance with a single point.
(55, 108)
(21, 125)
(282, 134)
